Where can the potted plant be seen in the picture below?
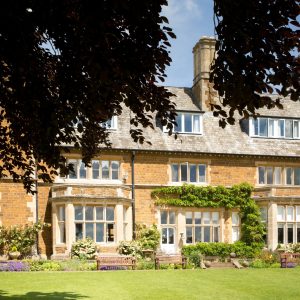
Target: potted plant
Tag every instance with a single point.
(14, 253)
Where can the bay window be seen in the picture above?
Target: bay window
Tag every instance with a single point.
(95, 222)
(288, 224)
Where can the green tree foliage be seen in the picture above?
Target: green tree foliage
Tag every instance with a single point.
(258, 47)
(66, 62)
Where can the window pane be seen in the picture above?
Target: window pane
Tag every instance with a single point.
(280, 234)
(280, 213)
(105, 169)
(164, 237)
(281, 128)
(163, 217)
(215, 217)
(235, 219)
(197, 217)
(206, 234)
(110, 214)
(197, 234)
(78, 231)
(297, 213)
(288, 175)
(298, 234)
(206, 217)
(178, 128)
(110, 233)
(115, 170)
(99, 232)
(175, 177)
(73, 174)
(297, 176)
(61, 213)
(78, 212)
(193, 169)
(290, 233)
(216, 234)
(263, 127)
(202, 173)
(171, 235)
(62, 235)
(89, 230)
(183, 168)
(263, 214)
(95, 169)
(261, 175)
(89, 213)
(290, 213)
(196, 127)
(296, 129)
(189, 235)
(277, 175)
(189, 218)
(82, 170)
(99, 213)
(171, 217)
(255, 125)
(187, 123)
(235, 234)
(288, 128)
(271, 127)
(269, 175)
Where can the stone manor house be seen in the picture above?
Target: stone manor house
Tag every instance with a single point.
(96, 201)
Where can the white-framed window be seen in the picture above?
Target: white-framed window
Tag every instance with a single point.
(111, 123)
(189, 122)
(168, 225)
(188, 172)
(61, 219)
(79, 169)
(105, 169)
(269, 175)
(125, 223)
(288, 224)
(235, 223)
(275, 128)
(95, 222)
(202, 227)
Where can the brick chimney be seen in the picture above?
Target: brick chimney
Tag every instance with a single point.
(204, 53)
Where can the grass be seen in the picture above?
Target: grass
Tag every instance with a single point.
(163, 284)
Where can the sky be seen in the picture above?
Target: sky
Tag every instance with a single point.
(190, 20)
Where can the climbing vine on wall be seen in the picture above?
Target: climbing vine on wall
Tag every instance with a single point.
(238, 196)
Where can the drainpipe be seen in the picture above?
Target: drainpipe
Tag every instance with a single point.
(133, 194)
(36, 207)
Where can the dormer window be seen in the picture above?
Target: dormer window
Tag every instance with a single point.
(275, 128)
(188, 122)
(111, 123)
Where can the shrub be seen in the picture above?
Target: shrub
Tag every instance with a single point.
(78, 265)
(222, 250)
(84, 249)
(145, 264)
(148, 237)
(130, 248)
(21, 238)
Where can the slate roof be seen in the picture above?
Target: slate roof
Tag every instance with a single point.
(234, 139)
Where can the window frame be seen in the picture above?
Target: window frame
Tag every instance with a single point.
(274, 129)
(95, 221)
(188, 165)
(181, 122)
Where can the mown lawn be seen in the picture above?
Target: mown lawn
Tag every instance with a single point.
(163, 284)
